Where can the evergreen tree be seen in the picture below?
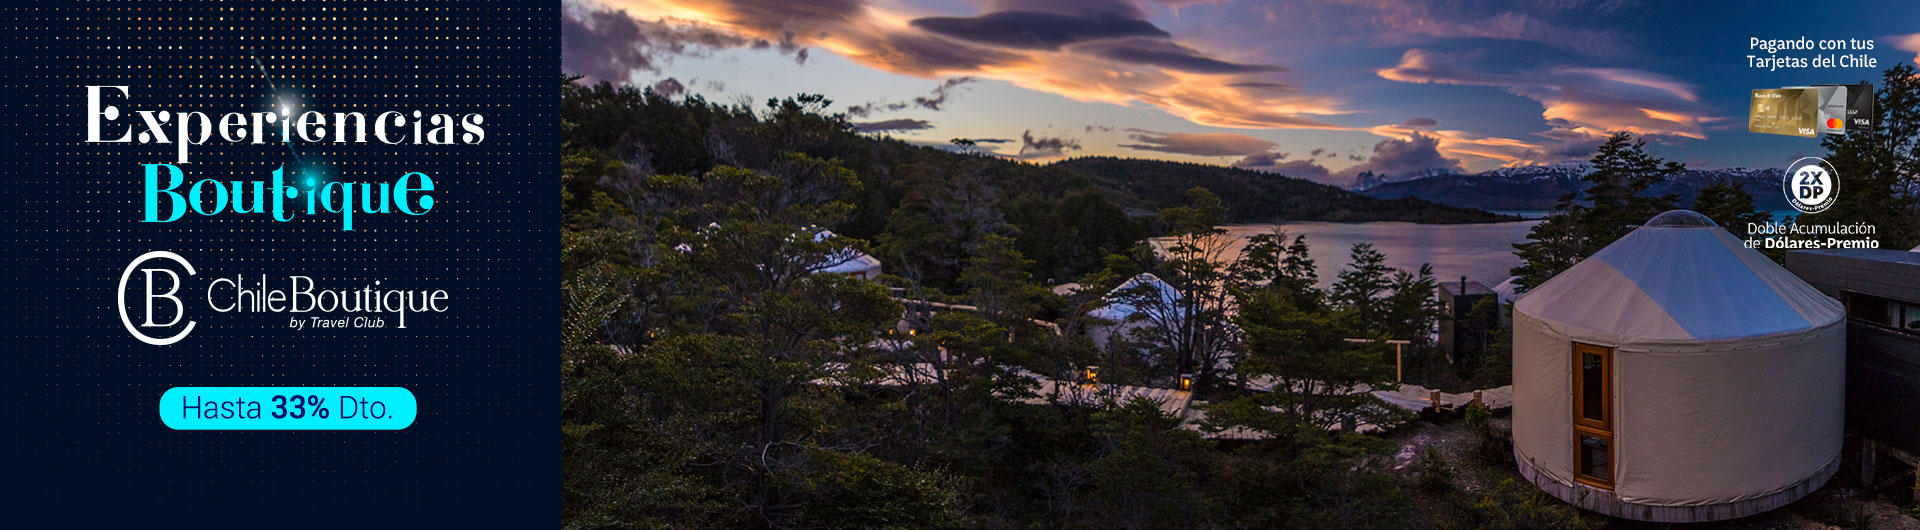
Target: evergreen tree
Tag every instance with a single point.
(1148, 474)
(1305, 369)
(997, 281)
(1730, 206)
(1268, 261)
(1615, 203)
(1362, 287)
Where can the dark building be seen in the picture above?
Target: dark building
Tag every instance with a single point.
(1458, 298)
(1881, 290)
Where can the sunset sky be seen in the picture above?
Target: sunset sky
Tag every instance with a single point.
(1318, 90)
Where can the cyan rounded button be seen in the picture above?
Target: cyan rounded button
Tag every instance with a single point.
(248, 408)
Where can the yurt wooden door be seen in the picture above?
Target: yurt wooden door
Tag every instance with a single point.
(1593, 415)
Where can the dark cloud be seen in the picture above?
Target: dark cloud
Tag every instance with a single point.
(1420, 122)
(1317, 151)
(793, 24)
(1101, 128)
(1045, 146)
(1198, 144)
(1567, 144)
(1167, 54)
(1125, 8)
(1579, 26)
(991, 140)
(932, 101)
(1265, 86)
(774, 16)
(609, 45)
(1032, 30)
(669, 87)
(921, 54)
(939, 96)
(1273, 163)
(902, 124)
(1394, 157)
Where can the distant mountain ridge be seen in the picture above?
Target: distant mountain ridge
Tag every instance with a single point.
(1540, 187)
(1258, 197)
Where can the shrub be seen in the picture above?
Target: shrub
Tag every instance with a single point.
(1515, 506)
(1847, 515)
(1477, 416)
(1435, 476)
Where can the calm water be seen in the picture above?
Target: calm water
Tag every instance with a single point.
(1481, 252)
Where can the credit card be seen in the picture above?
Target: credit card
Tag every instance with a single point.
(1830, 107)
(1861, 112)
(1788, 111)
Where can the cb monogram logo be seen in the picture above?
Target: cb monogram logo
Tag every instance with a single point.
(153, 292)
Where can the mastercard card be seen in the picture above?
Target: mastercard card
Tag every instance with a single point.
(1861, 114)
(1788, 111)
(1830, 107)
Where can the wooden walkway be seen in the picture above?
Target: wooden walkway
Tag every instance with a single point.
(1417, 398)
(1178, 403)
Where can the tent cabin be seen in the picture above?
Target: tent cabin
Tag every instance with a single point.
(1678, 376)
(847, 261)
(1117, 316)
(1457, 299)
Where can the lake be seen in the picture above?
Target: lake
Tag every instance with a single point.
(1481, 252)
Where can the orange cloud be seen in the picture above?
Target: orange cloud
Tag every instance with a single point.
(1608, 99)
(1909, 43)
(1083, 56)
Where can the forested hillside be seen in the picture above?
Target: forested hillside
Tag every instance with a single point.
(1253, 196)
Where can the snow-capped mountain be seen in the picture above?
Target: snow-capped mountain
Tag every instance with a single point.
(1540, 187)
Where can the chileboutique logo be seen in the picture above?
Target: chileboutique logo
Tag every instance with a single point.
(162, 307)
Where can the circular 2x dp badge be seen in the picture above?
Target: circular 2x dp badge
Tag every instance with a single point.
(1811, 185)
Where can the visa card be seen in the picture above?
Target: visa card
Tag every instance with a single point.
(1787, 111)
(1830, 108)
(1862, 114)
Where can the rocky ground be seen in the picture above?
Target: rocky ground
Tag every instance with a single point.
(1472, 470)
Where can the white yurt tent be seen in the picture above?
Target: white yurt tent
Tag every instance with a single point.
(847, 261)
(1117, 316)
(1508, 290)
(1677, 376)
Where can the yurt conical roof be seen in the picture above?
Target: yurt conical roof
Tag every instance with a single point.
(1678, 279)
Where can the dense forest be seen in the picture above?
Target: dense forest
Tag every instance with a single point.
(713, 377)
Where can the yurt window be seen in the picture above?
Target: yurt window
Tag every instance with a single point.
(1593, 414)
(1882, 311)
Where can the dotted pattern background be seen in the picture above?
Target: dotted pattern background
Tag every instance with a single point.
(83, 443)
